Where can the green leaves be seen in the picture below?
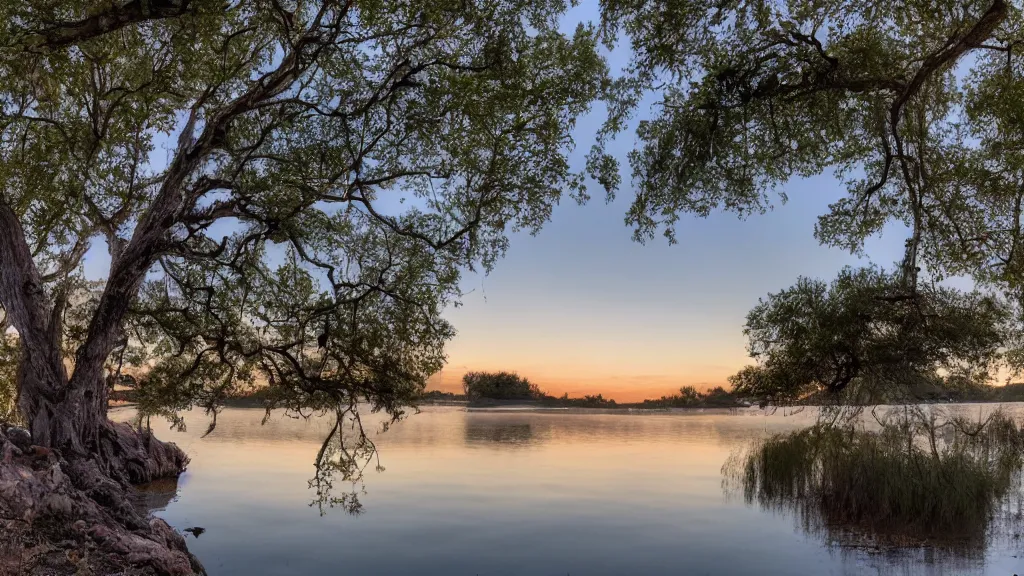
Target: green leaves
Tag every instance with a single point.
(292, 188)
(868, 337)
(912, 104)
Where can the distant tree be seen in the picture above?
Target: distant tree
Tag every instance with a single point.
(688, 396)
(499, 386)
(719, 397)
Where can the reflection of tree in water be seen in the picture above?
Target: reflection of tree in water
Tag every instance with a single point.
(347, 451)
(511, 433)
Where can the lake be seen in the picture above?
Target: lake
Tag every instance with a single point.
(512, 493)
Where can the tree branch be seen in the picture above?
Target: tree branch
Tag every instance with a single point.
(114, 18)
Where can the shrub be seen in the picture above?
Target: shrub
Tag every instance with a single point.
(499, 386)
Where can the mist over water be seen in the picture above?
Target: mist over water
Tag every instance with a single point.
(513, 493)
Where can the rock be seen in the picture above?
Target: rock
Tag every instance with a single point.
(73, 517)
(9, 452)
(20, 437)
(195, 530)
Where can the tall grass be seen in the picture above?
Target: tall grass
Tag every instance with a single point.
(912, 480)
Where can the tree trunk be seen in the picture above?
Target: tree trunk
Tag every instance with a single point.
(74, 422)
(90, 462)
(73, 489)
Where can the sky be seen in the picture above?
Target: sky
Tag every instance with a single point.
(581, 308)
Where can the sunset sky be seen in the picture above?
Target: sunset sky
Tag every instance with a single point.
(581, 308)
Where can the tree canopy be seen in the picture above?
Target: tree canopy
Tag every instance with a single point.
(863, 329)
(288, 190)
(914, 106)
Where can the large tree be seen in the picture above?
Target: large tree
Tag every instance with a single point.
(288, 191)
(914, 105)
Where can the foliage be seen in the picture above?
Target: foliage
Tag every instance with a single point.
(289, 191)
(864, 329)
(915, 477)
(499, 386)
(586, 401)
(914, 106)
(690, 397)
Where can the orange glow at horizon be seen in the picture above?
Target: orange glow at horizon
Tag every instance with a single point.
(619, 387)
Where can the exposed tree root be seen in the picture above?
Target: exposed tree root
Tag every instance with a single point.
(60, 517)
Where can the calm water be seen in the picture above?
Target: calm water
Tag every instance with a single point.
(522, 493)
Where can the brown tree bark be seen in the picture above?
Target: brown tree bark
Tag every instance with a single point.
(72, 486)
(111, 19)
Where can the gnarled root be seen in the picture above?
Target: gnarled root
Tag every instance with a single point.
(132, 456)
(61, 517)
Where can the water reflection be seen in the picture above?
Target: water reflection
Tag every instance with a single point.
(156, 495)
(498, 429)
(343, 457)
(922, 484)
(514, 434)
(511, 494)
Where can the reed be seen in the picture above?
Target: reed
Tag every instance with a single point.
(914, 478)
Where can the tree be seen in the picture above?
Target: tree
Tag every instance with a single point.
(288, 192)
(914, 106)
(499, 386)
(818, 338)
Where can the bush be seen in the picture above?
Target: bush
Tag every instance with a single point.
(912, 480)
(499, 386)
(587, 401)
(690, 397)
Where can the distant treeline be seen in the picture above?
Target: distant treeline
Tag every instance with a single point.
(490, 388)
(496, 388)
(935, 390)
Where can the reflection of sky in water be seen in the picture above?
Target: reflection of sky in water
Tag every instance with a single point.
(507, 493)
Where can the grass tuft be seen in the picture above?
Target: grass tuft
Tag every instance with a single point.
(911, 480)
